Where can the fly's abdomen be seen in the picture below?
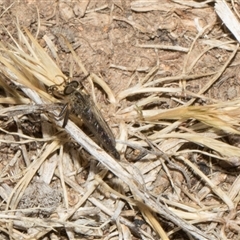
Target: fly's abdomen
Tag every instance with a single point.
(82, 106)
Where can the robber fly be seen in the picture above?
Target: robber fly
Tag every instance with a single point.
(81, 105)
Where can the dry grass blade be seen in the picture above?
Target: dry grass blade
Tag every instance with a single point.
(228, 18)
(17, 71)
(223, 195)
(55, 75)
(18, 191)
(223, 116)
(222, 148)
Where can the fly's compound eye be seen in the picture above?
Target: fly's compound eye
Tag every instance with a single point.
(68, 90)
(74, 84)
(71, 87)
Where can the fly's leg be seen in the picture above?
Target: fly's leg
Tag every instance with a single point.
(65, 111)
(64, 114)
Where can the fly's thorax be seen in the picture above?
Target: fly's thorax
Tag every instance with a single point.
(82, 106)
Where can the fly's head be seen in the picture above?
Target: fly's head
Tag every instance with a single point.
(71, 87)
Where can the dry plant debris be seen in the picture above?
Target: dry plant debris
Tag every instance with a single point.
(165, 75)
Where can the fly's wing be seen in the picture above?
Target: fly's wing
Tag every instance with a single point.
(93, 119)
